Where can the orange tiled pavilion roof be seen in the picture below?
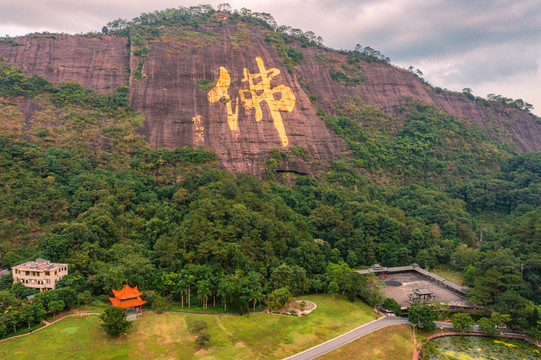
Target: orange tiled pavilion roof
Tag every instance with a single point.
(127, 292)
(127, 303)
(127, 297)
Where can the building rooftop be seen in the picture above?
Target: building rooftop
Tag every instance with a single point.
(39, 264)
(127, 293)
(422, 291)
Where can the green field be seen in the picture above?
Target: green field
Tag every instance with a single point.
(390, 343)
(452, 275)
(257, 336)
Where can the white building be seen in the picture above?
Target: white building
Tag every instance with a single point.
(40, 274)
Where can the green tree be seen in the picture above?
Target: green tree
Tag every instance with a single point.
(203, 292)
(85, 297)
(441, 310)
(500, 320)
(158, 303)
(352, 259)
(353, 284)
(423, 315)
(469, 275)
(535, 331)
(225, 290)
(392, 305)
(279, 298)
(32, 313)
(462, 321)
(333, 288)
(10, 259)
(114, 321)
(188, 279)
(487, 326)
(370, 292)
(56, 306)
(7, 300)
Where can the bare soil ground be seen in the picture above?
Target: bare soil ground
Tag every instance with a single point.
(298, 308)
(411, 281)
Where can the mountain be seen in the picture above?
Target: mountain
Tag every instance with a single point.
(216, 146)
(190, 82)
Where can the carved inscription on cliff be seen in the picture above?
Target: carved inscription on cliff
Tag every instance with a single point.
(279, 98)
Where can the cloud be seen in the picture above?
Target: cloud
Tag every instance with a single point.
(493, 64)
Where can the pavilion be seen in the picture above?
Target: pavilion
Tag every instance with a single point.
(421, 294)
(128, 298)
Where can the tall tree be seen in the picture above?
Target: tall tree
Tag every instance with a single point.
(114, 321)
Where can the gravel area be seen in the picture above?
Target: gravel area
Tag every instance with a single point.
(412, 281)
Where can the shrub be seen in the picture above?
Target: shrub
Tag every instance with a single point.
(391, 305)
(278, 298)
(114, 321)
(197, 326)
(203, 339)
(205, 84)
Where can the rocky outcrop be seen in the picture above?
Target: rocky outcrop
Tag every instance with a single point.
(96, 63)
(386, 86)
(223, 87)
(240, 125)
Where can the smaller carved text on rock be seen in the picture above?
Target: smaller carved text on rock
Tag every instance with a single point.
(199, 133)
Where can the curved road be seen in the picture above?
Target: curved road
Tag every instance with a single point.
(354, 334)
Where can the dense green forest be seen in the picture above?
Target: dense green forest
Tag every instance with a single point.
(421, 187)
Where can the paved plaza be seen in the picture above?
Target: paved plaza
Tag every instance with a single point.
(412, 281)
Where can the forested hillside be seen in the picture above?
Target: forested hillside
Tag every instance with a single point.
(79, 185)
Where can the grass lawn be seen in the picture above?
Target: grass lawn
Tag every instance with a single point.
(455, 276)
(257, 336)
(390, 343)
(71, 338)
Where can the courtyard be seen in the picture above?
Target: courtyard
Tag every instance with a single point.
(412, 281)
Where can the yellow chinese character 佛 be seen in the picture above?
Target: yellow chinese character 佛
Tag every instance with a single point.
(279, 98)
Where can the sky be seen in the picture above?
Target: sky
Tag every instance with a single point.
(489, 46)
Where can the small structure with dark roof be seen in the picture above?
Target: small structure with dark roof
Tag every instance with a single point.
(422, 295)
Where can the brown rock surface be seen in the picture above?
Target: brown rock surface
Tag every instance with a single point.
(174, 97)
(386, 86)
(178, 112)
(96, 63)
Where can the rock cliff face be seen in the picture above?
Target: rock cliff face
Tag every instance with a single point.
(223, 87)
(255, 106)
(386, 86)
(96, 63)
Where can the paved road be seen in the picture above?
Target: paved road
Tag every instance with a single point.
(354, 334)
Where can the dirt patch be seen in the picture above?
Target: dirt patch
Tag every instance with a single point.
(412, 281)
(201, 352)
(297, 308)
